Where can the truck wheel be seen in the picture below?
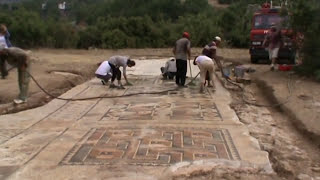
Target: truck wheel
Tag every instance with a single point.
(254, 60)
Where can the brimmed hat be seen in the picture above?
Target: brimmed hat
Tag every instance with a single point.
(217, 38)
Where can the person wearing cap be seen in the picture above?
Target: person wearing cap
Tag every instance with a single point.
(273, 40)
(20, 59)
(116, 62)
(170, 69)
(182, 52)
(210, 50)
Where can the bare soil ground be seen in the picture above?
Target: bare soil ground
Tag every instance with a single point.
(293, 154)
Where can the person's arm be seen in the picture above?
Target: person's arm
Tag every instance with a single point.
(265, 41)
(194, 61)
(189, 50)
(174, 50)
(189, 53)
(166, 67)
(7, 35)
(125, 74)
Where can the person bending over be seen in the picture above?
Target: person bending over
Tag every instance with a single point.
(20, 59)
(116, 62)
(205, 65)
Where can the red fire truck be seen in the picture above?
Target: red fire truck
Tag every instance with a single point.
(261, 23)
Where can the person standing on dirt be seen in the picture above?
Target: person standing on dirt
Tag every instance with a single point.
(182, 52)
(210, 50)
(20, 59)
(116, 62)
(206, 66)
(4, 40)
(273, 40)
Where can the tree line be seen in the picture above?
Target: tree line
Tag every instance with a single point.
(151, 23)
(123, 23)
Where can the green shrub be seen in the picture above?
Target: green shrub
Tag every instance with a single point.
(305, 19)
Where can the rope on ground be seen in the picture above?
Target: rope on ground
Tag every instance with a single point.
(105, 97)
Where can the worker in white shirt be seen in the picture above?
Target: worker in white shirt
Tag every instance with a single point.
(205, 65)
(170, 69)
(116, 62)
(104, 72)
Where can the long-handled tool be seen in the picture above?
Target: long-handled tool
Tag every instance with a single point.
(191, 82)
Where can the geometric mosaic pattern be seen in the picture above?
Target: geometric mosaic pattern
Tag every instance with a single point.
(203, 111)
(154, 146)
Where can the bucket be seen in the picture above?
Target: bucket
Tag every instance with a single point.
(239, 71)
(226, 71)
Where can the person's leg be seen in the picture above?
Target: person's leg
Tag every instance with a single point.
(211, 70)
(270, 58)
(23, 80)
(118, 72)
(174, 74)
(202, 77)
(275, 55)
(184, 72)
(3, 68)
(178, 76)
(208, 79)
(105, 78)
(162, 70)
(170, 75)
(114, 75)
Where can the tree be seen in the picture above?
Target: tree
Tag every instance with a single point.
(305, 19)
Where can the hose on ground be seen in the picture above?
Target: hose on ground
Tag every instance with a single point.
(165, 91)
(104, 97)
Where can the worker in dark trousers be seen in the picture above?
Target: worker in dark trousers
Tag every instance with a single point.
(116, 62)
(182, 52)
(20, 59)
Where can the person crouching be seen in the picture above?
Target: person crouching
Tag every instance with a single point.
(104, 72)
(205, 65)
(170, 69)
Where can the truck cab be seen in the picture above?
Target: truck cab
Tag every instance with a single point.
(261, 23)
